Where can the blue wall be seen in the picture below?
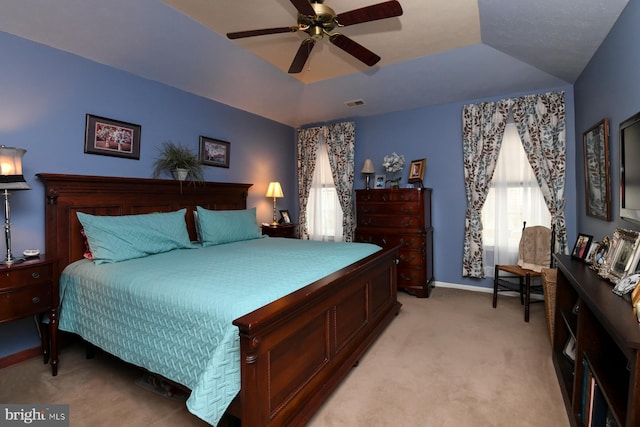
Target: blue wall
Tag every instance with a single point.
(436, 133)
(46, 93)
(609, 88)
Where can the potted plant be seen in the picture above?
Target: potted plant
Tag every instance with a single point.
(178, 160)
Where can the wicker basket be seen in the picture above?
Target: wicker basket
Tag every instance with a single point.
(549, 276)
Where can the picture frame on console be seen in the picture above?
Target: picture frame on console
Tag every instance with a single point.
(591, 252)
(110, 137)
(581, 247)
(596, 171)
(623, 255)
(600, 253)
(379, 182)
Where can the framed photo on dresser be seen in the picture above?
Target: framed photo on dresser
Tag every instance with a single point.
(416, 171)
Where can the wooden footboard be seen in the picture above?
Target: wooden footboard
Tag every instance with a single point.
(295, 351)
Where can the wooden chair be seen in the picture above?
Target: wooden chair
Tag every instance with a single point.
(534, 253)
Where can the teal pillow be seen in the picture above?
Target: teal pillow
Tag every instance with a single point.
(119, 238)
(217, 227)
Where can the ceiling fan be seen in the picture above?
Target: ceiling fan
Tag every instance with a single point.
(317, 20)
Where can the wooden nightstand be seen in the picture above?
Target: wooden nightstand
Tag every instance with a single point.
(31, 288)
(281, 230)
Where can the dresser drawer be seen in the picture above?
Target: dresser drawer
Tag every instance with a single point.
(410, 258)
(392, 221)
(406, 241)
(411, 277)
(25, 277)
(409, 208)
(25, 301)
(397, 195)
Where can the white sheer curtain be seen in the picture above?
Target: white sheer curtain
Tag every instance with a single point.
(514, 197)
(324, 214)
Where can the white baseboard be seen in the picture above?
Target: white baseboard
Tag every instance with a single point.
(482, 289)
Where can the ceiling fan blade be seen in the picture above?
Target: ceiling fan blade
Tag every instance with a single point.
(304, 7)
(301, 57)
(374, 12)
(354, 49)
(263, 32)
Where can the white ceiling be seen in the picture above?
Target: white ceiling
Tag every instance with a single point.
(438, 51)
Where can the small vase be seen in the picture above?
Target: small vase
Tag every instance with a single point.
(394, 183)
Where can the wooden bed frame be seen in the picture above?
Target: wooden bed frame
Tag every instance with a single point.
(295, 350)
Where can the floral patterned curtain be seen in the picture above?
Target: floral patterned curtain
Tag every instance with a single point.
(340, 139)
(541, 124)
(483, 126)
(308, 140)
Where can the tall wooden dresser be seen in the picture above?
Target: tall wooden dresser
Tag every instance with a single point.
(400, 216)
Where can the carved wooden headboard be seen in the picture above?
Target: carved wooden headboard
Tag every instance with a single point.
(98, 195)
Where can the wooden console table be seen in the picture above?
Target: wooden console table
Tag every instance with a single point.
(607, 337)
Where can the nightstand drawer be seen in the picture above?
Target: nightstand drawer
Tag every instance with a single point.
(25, 301)
(25, 276)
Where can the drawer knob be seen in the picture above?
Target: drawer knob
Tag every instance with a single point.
(35, 300)
(35, 275)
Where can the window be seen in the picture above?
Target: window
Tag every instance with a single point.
(324, 213)
(514, 197)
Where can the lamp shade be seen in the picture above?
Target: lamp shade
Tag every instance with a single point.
(11, 169)
(274, 190)
(368, 167)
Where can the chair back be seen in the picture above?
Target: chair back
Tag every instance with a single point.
(535, 249)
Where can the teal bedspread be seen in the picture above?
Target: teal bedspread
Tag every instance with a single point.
(171, 313)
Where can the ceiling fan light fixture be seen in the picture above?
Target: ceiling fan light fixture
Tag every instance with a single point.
(316, 32)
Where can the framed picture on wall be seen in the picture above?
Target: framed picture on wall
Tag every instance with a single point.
(110, 137)
(596, 170)
(214, 152)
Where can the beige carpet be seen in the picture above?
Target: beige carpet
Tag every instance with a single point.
(450, 360)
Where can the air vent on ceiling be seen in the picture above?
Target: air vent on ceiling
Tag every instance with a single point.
(355, 103)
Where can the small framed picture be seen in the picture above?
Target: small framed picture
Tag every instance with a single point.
(582, 246)
(285, 218)
(109, 137)
(416, 170)
(592, 251)
(570, 349)
(600, 253)
(214, 152)
(380, 180)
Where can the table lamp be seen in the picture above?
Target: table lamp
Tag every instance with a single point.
(274, 190)
(10, 179)
(367, 170)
